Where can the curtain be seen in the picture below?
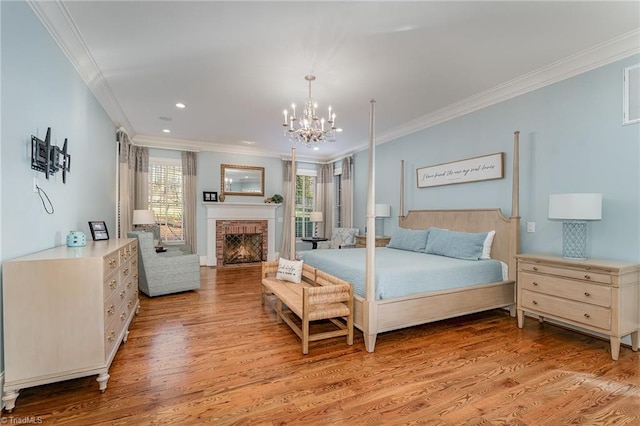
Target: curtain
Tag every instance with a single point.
(346, 199)
(285, 241)
(189, 197)
(133, 193)
(324, 199)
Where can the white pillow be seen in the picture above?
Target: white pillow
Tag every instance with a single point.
(290, 270)
(486, 247)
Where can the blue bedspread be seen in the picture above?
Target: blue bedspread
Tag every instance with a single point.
(401, 272)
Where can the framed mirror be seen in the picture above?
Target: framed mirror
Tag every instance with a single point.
(241, 180)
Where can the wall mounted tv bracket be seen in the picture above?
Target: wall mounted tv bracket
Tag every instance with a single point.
(47, 158)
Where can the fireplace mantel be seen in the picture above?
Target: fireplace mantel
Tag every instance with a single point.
(239, 211)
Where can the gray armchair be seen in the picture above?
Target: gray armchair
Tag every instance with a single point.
(164, 273)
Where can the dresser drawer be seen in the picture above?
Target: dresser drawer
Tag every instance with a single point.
(111, 263)
(584, 313)
(577, 273)
(595, 294)
(110, 285)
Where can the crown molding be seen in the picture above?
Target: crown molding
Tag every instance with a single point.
(57, 20)
(600, 55)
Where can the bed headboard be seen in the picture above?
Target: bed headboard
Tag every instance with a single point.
(505, 242)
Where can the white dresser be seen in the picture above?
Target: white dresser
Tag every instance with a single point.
(597, 295)
(66, 310)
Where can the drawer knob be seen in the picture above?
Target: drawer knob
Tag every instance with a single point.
(112, 336)
(122, 294)
(125, 271)
(586, 293)
(111, 310)
(113, 284)
(534, 283)
(112, 263)
(535, 268)
(123, 316)
(587, 277)
(587, 316)
(535, 303)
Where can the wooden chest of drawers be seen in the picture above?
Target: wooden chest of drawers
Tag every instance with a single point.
(597, 295)
(66, 310)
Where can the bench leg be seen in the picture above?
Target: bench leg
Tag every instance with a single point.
(305, 336)
(279, 311)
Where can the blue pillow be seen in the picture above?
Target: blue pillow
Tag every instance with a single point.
(460, 245)
(409, 239)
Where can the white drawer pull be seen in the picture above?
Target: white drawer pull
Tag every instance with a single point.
(586, 293)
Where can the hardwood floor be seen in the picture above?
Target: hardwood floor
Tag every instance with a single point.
(217, 356)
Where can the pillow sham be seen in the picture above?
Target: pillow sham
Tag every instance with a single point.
(409, 239)
(486, 246)
(460, 245)
(289, 270)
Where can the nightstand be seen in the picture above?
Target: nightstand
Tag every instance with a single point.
(361, 241)
(597, 295)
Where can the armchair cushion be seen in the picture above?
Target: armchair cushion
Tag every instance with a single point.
(341, 238)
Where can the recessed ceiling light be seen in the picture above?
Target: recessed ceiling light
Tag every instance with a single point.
(316, 148)
(180, 105)
(166, 130)
(339, 129)
(165, 118)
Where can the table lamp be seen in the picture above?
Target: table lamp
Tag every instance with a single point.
(575, 210)
(382, 211)
(143, 219)
(315, 218)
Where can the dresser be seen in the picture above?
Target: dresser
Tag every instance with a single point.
(361, 241)
(596, 295)
(66, 311)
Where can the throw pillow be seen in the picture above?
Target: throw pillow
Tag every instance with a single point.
(486, 247)
(460, 245)
(290, 270)
(409, 239)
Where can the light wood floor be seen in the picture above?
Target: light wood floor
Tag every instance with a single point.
(217, 356)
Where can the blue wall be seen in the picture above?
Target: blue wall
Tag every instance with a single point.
(40, 89)
(571, 140)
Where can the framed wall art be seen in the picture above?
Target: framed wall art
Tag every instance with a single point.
(98, 230)
(209, 196)
(462, 171)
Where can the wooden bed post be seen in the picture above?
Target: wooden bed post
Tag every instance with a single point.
(401, 214)
(514, 247)
(370, 317)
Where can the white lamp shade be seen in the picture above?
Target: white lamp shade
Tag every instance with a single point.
(144, 217)
(383, 210)
(315, 217)
(575, 206)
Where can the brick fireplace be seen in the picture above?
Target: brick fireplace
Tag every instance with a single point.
(241, 242)
(237, 219)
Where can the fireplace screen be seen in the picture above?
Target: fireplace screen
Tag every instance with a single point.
(242, 248)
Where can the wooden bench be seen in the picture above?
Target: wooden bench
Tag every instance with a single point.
(319, 296)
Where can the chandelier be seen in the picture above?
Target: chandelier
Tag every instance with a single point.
(309, 128)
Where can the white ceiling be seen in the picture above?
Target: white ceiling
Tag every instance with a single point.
(237, 65)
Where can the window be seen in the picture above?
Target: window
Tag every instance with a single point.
(165, 196)
(305, 202)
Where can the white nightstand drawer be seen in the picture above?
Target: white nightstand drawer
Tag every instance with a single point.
(595, 316)
(595, 294)
(578, 273)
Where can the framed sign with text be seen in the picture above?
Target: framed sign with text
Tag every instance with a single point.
(462, 171)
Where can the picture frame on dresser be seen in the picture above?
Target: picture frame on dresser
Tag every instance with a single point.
(98, 230)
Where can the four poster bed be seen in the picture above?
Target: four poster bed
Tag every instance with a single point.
(380, 305)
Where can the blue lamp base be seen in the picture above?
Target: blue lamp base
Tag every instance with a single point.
(574, 240)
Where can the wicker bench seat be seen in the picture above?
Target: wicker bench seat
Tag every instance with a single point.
(319, 296)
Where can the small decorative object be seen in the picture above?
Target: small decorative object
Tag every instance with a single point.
(76, 239)
(277, 198)
(98, 230)
(575, 210)
(221, 197)
(209, 196)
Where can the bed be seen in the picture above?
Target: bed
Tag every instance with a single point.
(378, 310)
